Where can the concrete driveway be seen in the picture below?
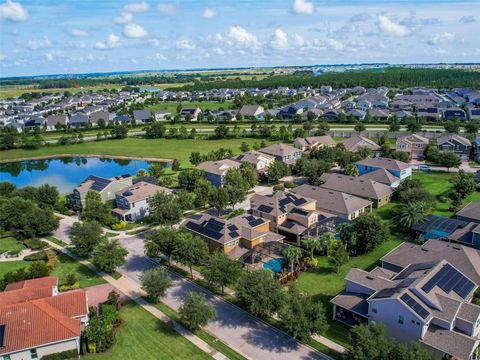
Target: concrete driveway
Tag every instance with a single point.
(63, 231)
(234, 326)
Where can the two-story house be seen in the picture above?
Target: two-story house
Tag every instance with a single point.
(397, 168)
(216, 171)
(454, 113)
(455, 143)
(313, 142)
(260, 161)
(283, 152)
(412, 144)
(191, 113)
(132, 202)
(356, 143)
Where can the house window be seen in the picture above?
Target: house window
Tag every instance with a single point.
(374, 308)
(33, 353)
(401, 319)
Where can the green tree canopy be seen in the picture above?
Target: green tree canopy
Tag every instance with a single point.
(195, 311)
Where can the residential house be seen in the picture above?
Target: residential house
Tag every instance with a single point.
(477, 146)
(313, 142)
(251, 111)
(364, 104)
(421, 293)
(379, 194)
(471, 212)
(78, 120)
(401, 105)
(122, 119)
(412, 144)
(34, 122)
(331, 114)
(234, 236)
(357, 114)
(162, 115)
(454, 114)
(356, 143)
(397, 168)
(334, 202)
(455, 143)
(283, 152)
(216, 171)
(289, 112)
(36, 321)
(429, 113)
(260, 161)
(142, 116)
(100, 115)
(401, 115)
(289, 214)
(132, 202)
(379, 114)
(474, 113)
(193, 113)
(105, 187)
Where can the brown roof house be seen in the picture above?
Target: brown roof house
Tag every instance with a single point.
(421, 293)
(356, 143)
(260, 161)
(335, 202)
(313, 142)
(251, 111)
(283, 152)
(35, 320)
(379, 194)
(412, 144)
(471, 212)
(216, 171)
(132, 201)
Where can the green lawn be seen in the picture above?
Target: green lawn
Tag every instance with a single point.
(204, 105)
(137, 147)
(9, 266)
(144, 337)
(10, 244)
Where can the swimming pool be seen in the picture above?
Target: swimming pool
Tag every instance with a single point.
(275, 265)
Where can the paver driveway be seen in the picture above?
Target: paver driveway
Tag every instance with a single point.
(233, 325)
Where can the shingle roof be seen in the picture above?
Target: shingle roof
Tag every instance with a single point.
(454, 137)
(219, 167)
(358, 186)
(451, 342)
(357, 142)
(471, 211)
(141, 191)
(279, 150)
(384, 163)
(382, 176)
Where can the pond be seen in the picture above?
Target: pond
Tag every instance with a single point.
(67, 172)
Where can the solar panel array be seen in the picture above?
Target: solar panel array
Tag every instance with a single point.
(265, 208)
(2, 335)
(300, 211)
(203, 231)
(99, 183)
(253, 221)
(213, 229)
(415, 306)
(450, 279)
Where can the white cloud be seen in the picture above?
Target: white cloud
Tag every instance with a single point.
(185, 44)
(136, 7)
(387, 25)
(113, 41)
(2, 57)
(134, 31)
(279, 40)
(123, 18)
(49, 56)
(39, 43)
(13, 11)
(78, 32)
(238, 36)
(299, 40)
(335, 44)
(208, 13)
(302, 7)
(361, 17)
(166, 8)
(467, 19)
(443, 38)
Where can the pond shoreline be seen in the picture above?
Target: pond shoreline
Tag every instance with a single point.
(119, 157)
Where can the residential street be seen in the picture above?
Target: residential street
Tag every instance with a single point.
(233, 325)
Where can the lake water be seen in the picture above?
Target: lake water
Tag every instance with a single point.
(66, 173)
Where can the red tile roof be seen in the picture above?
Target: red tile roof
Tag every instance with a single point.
(26, 290)
(47, 281)
(73, 303)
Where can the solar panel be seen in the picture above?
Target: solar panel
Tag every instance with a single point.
(265, 208)
(449, 279)
(2, 335)
(203, 231)
(255, 222)
(300, 211)
(415, 306)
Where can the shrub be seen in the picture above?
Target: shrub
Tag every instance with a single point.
(36, 256)
(52, 261)
(119, 226)
(71, 279)
(313, 263)
(278, 187)
(288, 185)
(69, 354)
(34, 244)
(66, 287)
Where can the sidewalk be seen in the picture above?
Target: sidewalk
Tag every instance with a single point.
(132, 290)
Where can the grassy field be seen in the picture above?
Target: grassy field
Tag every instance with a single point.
(147, 148)
(9, 266)
(10, 244)
(17, 90)
(144, 337)
(204, 105)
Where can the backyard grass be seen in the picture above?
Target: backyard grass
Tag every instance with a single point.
(10, 266)
(10, 244)
(204, 105)
(136, 147)
(144, 337)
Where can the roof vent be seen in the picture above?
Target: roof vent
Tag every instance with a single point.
(456, 247)
(369, 277)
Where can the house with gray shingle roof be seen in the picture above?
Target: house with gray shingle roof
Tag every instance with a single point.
(142, 116)
(455, 143)
(397, 168)
(216, 171)
(283, 152)
(357, 142)
(471, 212)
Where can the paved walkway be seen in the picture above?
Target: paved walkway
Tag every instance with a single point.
(133, 291)
(20, 256)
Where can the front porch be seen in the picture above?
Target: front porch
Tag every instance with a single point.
(350, 309)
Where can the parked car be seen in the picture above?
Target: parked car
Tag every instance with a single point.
(424, 168)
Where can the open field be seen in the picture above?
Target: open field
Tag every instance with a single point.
(17, 90)
(136, 147)
(204, 105)
(144, 337)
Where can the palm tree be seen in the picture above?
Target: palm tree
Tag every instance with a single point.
(142, 172)
(412, 213)
(293, 255)
(312, 244)
(325, 240)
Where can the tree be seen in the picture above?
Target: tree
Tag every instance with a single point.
(411, 214)
(165, 209)
(222, 131)
(323, 129)
(219, 199)
(277, 170)
(85, 235)
(195, 158)
(109, 254)
(312, 245)
(293, 255)
(162, 241)
(262, 294)
(464, 183)
(187, 179)
(351, 170)
(195, 311)
(7, 189)
(337, 255)
(412, 190)
(38, 269)
(155, 130)
(244, 147)
(302, 316)
(190, 250)
(312, 169)
(96, 210)
(202, 191)
(348, 236)
(413, 125)
(394, 126)
(371, 231)
(449, 159)
(119, 132)
(359, 127)
(156, 170)
(452, 126)
(325, 240)
(472, 127)
(155, 283)
(235, 195)
(47, 196)
(369, 342)
(221, 271)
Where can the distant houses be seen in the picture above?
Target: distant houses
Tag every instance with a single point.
(251, 111)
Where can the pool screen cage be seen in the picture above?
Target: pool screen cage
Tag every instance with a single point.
(262, 253)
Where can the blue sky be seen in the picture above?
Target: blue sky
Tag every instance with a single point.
(76, 36)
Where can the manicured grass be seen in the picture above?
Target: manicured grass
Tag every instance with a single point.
(10, 266)
(10, 244)
(57, 241)
(144, 337)
(204, 105)
(137, 147)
